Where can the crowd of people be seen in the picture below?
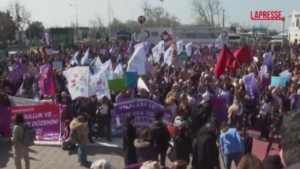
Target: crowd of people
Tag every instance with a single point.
(193, 130)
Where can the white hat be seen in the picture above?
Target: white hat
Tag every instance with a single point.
(206, 96)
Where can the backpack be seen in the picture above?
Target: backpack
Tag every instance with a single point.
(29, 136)
(73, 136)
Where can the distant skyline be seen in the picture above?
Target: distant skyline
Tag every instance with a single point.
(59, 12)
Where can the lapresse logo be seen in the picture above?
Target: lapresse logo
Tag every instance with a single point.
(266, 15)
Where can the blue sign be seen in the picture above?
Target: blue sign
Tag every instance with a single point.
(278, 81)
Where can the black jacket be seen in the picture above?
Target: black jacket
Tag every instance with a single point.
(160, 136)
(206, 108)
(128, 145)
(206, 153)
(182, 148)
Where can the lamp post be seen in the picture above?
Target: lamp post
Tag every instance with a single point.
(76, 18)
(223, 18)
(108, 7)
(283, 19)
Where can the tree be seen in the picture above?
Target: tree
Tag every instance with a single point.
(157, 17)
(36, 29)
(97, 28)
(7, 27)
(208, 12)
(19, 14)
(251, 26)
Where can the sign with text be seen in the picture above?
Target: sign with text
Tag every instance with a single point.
(142, 109)
(45, 119)
(17, 101)
(278, 81)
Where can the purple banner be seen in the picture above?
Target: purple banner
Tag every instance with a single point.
(251, 86)
(220, 107)
(18, 71)
(142, 109)
(45, 119)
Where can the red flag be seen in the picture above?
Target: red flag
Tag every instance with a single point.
(225, 60)
(242, 55)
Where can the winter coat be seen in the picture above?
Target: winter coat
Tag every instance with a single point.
(182, 148)
(128, 145)
(82, 132)
(206, 153)
(144, 150)
(160, 136)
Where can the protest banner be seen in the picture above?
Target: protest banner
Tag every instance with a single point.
(17, 101)
(4, 122)
(278, 81)
(45, 119)
(131, 79)
(142, 109)
(117, 84)
(57, 65)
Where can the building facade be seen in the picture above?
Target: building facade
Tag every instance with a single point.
(294, 30)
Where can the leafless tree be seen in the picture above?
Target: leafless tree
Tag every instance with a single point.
(157, 16)
(97, 26)
(19, 14)
(208, 11)
(261, 24)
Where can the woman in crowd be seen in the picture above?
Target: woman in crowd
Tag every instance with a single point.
(67, 144)
(80, 127)
(129, 135)
(144, 148)
(182, 147)
(250, 161)
(20, 151)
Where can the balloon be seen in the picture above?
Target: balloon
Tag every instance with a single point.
(141, 20)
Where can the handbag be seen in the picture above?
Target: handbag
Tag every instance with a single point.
(170, 154)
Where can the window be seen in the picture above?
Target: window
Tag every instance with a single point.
(191, 35)
(213, 35)
(293, 24)
(154, 33)
(203, 35)
(179, 35)
(234, 37)
(297, 22)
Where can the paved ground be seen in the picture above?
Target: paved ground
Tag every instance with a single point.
(52, 157)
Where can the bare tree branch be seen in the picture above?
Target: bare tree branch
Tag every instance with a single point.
(17, 10)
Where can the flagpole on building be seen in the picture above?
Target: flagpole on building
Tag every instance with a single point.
(108, 6)
(283, 31)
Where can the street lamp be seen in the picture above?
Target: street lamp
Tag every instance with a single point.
(223, 18)
(283, 19)
(76, 14)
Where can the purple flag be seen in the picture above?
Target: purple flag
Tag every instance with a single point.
(263, 71)
(130, 49)
(19, 90)
(43, 70)
(196, 55)
(47, 38)
(251, 86)
(268, 60)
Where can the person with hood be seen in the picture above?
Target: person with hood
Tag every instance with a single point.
(206, 153)
(81, 129)
(205, 109)
(160, 137)
(182, 144)
(272, 162)
(144, 147)
(129, 135)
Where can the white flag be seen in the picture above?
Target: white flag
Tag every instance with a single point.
(142, 85)
(119, 71)
(168, 56)
(137, 61)
(179, 45)
(189, 48)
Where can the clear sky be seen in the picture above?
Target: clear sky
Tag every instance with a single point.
(60, 13)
